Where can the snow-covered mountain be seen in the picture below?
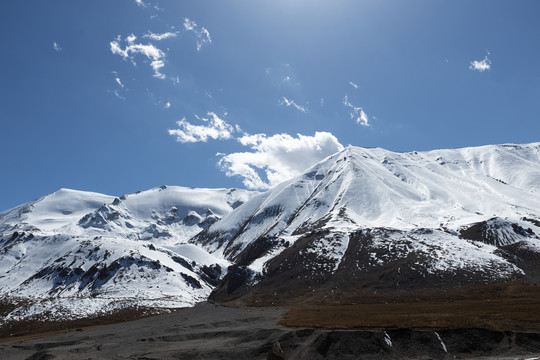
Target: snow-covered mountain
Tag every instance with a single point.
(360, 221)
(74, 253)
(379, 219)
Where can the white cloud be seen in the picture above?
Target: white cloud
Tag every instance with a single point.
(120, 87)
(270, 160)
(118, 94)
(215, 128)
(167, 105)
(131, 38)
(151, 52)
(482, 65)
(157, 65)
(56, 46)
(353, 85)
(119, 82)
(285, 101)
(202, 35)
(159, 37)
(279, 157)
(140, 3)
(356, 113)
(363, 118)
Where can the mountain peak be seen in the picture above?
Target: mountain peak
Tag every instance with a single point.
(366, 213)
(362, 188)
(363, 218)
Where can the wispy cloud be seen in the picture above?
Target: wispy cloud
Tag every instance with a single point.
(285, 101)
(150, 51)
(213, 128)
(167, 105)
(481, 65)
(157, 65)
(119, 82)
(56, 46)
(201, 33)
(120, 87)
(118, 94)
(277, 158)
(356, 113)
(140, 3)
(353, 85)
(159, 37)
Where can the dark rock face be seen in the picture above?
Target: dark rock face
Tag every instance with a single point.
(342, 344)
(211, 274)
(528, 341)
(374, 260)
(496, 232)
(255, 250)
(414, 344)
(525, 258)
(474, 341)
(234, 284)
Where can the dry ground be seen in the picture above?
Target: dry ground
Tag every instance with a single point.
(514, 307)
(488, 322)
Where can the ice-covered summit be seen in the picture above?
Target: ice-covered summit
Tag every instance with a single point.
(366, 188)
(452, 209)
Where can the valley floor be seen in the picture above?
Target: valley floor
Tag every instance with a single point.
(503, 307)
(211, 331)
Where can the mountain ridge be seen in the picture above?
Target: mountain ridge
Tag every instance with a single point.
(73, 254)
(361, 221)
(359, 202)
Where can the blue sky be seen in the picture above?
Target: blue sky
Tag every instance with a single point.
(125, 95)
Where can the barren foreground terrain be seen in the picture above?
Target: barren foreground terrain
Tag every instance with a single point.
(211, 331)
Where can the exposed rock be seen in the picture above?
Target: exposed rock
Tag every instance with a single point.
(276, 353)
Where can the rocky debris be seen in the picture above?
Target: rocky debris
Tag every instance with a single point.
(276, 353)
(208, 331)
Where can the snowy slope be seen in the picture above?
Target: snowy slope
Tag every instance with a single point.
(67, 247)
(488, 195)
(367, 219)
(168, 214)
(51, 212)
(366, 188)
